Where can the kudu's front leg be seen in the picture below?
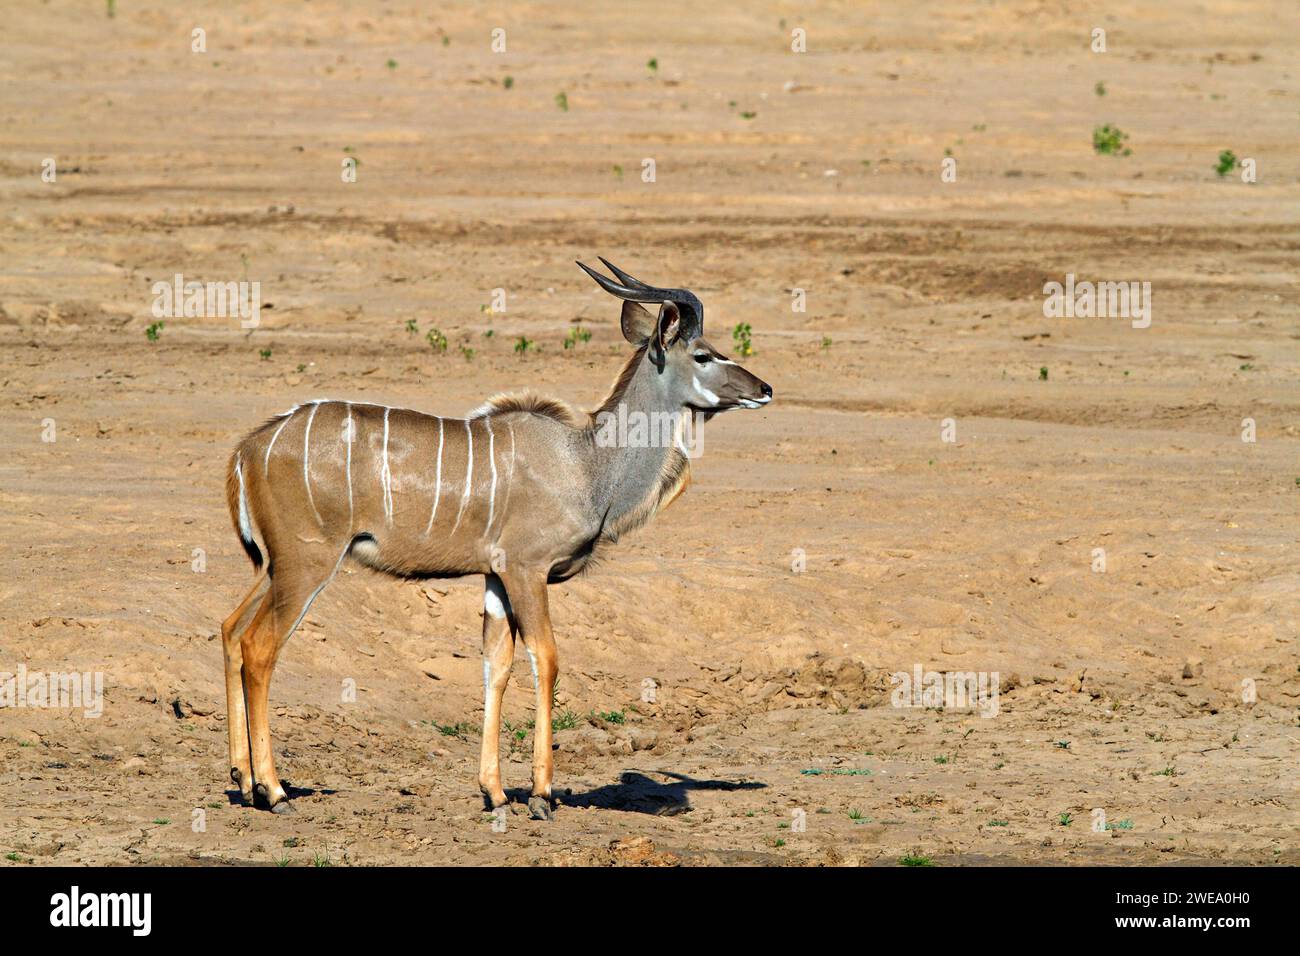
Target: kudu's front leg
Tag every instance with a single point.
(498, 655)
(534, 617)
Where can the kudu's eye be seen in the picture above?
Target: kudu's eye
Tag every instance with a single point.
(704, 358)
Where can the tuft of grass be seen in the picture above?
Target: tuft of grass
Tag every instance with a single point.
(161, 821)
(265, 353)
(13, 857)
(460, 729)
(915, 859)
(562, 101)
(1125, 824)
(412, 327)
(942, 758)
(1065, 819)
(321, 860)
(437, 341)
(576, 334)
(826, 342)
(748, 115)
(856, 815)
(523, 344)
(1042, 374)
(998, 823)
(391, 64)
(153, 331)
(564, 721)
(652, 64)
(778, 843)
(1167, 772)
(508, 82)
(467, 352)
(1227, 162)
(611, 716)
(1110, 141)
(741, 335)
(1100, 88)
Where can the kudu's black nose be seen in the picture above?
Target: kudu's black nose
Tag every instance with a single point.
(767, 390)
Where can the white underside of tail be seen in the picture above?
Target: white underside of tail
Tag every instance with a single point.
(245, 526)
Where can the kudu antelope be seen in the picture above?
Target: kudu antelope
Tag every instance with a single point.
(523, 492)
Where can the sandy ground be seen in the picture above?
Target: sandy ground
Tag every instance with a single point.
(774, 171)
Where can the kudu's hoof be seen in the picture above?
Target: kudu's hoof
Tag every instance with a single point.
(284, 806)
(539, 808)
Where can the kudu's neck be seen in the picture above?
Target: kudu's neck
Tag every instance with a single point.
(635, 460)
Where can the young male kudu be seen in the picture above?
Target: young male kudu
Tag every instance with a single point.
(522, 492)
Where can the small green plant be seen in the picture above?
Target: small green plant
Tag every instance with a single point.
(161, 821)
(1167, 772)
(741, 336)
(778, 843)
(1227, 162)
(321, 860)
(1125, 824)
(508, 82)
(1100, 88)
(412, 327)
(998, 823)
(460, 729)
(392, 64)
(1245, 367)
(1062, 745)
(1065, 819)
(302, 367)
(564, 721)
(13, 857)
(612, 716)
(153, 331)
(265, 353)
(523, 344)
(437, 341)
(467, 352)
(826, 342)
(281, 861)
(488, 334)
(748, 115)
(652, 64)
(1042, 374)
(111, 7)
(941, 759)
(1110, 141)
(856, 815)
(562, 101)
(576, 334)
(618, 170)
(915, 859)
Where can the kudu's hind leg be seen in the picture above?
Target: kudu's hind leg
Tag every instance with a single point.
(293, 588)
(232, 628)
(533, 614)
(498, 655)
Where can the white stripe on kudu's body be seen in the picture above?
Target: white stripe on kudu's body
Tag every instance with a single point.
(306, 476)
(565, 496)
(469, 474)
(437, 486)
(386, 476)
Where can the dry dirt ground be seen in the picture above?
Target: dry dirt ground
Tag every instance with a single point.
(1126, 691)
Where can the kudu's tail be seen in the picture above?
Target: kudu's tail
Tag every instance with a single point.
(237, 499)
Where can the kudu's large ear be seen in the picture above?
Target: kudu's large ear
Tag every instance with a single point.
(670, 324)
(638, 324)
